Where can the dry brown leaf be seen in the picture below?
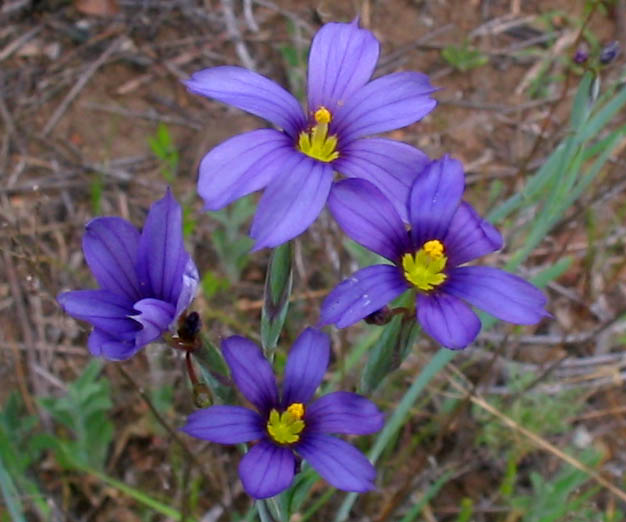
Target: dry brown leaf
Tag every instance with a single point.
(97, 7)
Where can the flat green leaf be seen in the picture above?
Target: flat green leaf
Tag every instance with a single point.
(278, 283)
(389, 351)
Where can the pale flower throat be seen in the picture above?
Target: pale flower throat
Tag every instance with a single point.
(424, 269)
(316, 143)
(285, 427)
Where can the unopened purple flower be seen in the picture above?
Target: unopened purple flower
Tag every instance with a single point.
(581, 55)
(289, 422)
(445, 233)
(609, 52)
(295, 163)
(146, 280)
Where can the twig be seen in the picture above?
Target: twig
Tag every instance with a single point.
(16, 44)
(498, 107)
(539, 441)
(188, 453)
(80, 84)
(150, 115)
(249, 16)
(243, 305)
(235, 35)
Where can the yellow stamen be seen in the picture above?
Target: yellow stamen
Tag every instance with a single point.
(322, 115)
(424, 269)
(285, 427)
(316, 143)
(434, 248)
(296, 409)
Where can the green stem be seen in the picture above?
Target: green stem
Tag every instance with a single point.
(399, 417)
(264, 515)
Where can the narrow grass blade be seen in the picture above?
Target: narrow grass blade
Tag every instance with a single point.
(137, 495)
(399, 417)
(412, 513)
(278, 282)
(11, 495)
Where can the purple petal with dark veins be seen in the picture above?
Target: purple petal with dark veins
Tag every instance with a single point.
(447, 319)
(503, 295)
(365, 292)
(155, 316)
(390, 102)
(103, 309)
(342, 60)
(241, 165)
(103, 344)
(266, 470)
(343, 412)
(469, 236)
(434, 199)
(369, 218)
(251, 372)
(390, 165)
(306, 364)
(110, 247)
(291, 202)
(250, 92)
(339, 463)
(162, 258)
(225, 425)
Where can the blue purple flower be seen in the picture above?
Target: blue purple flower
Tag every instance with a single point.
(295, 163)
(445, 232)
(147, 280)
(289, 422)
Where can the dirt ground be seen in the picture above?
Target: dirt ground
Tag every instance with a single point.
(84, 84)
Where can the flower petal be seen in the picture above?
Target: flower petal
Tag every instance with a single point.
(103, 344)
(250, 92)
(338, 462)
(110, 247)
(368, 217)
(365, 292)
(342, 59)
(448, 320)
(251, 372)
(162, 258)
(155, 316)
(344, 412)
(387, 103)
(291, 202)
(241, 165)
(191, 279)
(469, 236)
(306, 364)
(266, 470)
(225, 424)
(103, 309)
(390, 165)
(434, 199)
(503, 295)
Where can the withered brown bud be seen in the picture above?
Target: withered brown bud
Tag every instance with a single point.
(379, 317)
(189, 326)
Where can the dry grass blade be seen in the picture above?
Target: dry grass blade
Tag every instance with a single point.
(539, 441)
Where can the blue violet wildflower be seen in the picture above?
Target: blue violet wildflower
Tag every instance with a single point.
(288, 423)
(147, 280)
(295, 163)
(445, 232)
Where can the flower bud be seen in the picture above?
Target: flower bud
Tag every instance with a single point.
(609, 52)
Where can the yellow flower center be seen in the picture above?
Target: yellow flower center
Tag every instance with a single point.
(316, 143)
(285, 427)
(424, 269)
